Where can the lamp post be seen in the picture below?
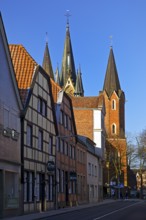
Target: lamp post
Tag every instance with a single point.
(108, 183)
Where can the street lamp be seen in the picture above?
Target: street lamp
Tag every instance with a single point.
(108, 183)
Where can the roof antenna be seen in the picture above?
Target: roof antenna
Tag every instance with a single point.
(67, 14)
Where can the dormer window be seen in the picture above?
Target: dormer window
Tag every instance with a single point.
(113, 104)
(113, 128)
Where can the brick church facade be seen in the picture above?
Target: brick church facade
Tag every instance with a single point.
(114, 116)
(116, 162)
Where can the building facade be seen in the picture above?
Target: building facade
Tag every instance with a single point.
(115, 123)
(38, 126)
(81, 164)
(89, 118)
(10, 133)
(66, 171)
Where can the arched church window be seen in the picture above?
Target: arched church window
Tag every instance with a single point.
(113, 129)
(113, 104)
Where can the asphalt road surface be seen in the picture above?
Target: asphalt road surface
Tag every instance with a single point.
(120, 210)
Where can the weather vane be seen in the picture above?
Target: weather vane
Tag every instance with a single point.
(47, 37)
(111, 40)
(67, 14)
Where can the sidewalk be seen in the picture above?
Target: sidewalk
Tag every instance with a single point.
(41, 215)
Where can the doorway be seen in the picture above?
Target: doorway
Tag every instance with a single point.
(66, 188)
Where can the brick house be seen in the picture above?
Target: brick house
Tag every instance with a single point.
(89, 118)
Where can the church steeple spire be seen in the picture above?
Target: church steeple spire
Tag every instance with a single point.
(111, 82)
(57, 79)
(79, 91)
(47, 65)
(68, 66)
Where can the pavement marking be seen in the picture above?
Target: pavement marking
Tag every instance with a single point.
(110, 213)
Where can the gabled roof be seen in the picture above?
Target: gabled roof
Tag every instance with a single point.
(88, 102)
(68, 66)
(111, 82)
(55, 90)
(24, 66)
(79, 91)
(47, 65)
(26, 70)
(8, 56)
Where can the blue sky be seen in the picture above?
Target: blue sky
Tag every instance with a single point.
(92, 22)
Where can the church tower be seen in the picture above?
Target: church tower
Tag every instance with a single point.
(69, 81)
(115, 116)
(47, 65)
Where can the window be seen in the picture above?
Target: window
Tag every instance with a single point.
(29, 136)
(61, 146)
(70, 151)
(66, 148)
(28, 186)
(92, 170)
(61, 117)
(40, 140)
(95, 170)
(42, 106)
(6, 118)
(78, 155)
(89, 168)
(113, 104)
(66, 121)
(58, 144)
(69, 124)
(113, 129)
(38, 187)
(58, 180)
(62, 181)
(73, 153)
(51, 145)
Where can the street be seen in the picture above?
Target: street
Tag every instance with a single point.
(120, 210)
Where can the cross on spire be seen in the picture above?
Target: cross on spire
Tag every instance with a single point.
(47, 37)
(67, 14)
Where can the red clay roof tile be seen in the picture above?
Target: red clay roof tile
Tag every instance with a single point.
(24, 65)
(87, 102)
